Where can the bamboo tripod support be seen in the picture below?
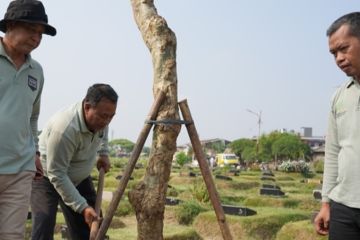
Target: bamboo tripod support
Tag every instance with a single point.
(129, 167)
(200, 156)
(214, 196)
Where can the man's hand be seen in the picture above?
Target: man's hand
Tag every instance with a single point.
(103, 162)
(39, 169)
(89, 215)
(321, 221)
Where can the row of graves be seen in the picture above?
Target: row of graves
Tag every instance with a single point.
(269, 186)
(228, 209)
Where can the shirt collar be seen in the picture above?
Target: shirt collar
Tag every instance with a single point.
(351, 82)
(4, 54)
(80, 112)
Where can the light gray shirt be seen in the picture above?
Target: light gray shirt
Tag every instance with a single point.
(341, 181)
(68, 153)
(20, 93)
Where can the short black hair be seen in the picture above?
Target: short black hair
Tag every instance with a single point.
(98, 91)
(350, 19)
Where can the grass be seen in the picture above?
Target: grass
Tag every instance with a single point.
(298, 231)
(277, 216)
(263, 225)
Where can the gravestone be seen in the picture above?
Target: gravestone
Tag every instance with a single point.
(317, 194)
(223, 177)
(192, 174)
(271, 192)
(235, 172)
(270, 186)
(267, 173)
(267, 178)
(172, 201)
(238, 211)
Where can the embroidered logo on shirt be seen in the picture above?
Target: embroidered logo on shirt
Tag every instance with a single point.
(32, 83)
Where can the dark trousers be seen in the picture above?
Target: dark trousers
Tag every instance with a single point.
(44, 204)
(344, 222)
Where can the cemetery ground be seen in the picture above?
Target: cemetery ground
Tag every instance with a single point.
(277, 217)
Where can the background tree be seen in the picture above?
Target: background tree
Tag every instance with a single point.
(265, 149)
(190, 152)
(272, 146)
(290, 146)
(125, 144)
(182, 159)
(249, 155)
(218, 147)
(238, 147)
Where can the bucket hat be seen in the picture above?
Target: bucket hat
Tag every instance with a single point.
(30, 11)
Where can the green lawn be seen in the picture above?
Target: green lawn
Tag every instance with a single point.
(274, 213)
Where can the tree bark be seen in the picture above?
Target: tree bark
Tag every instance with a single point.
(148, 197)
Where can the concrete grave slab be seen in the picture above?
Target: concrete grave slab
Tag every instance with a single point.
(223, 177)
(172, 201)
(271, 192)
(271, 186)
(238, 211)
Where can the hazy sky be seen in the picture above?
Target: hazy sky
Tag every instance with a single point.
(232, 55)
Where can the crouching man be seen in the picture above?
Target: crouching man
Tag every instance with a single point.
(70, 145)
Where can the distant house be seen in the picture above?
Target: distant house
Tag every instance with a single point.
(314, 142)
(307, 137)
(209, 142)
(318, 153)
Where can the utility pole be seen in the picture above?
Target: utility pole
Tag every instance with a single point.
(258, 115)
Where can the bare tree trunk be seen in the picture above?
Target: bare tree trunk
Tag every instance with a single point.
(148, 197)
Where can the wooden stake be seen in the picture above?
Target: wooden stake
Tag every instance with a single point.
(130, 167)
(95, 224)
(200, 156)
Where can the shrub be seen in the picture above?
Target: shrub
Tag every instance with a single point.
(119, 162)
(172, 192)
(295, 166)
(287, 166)
(319, 166)
(200, 192)
(123, 209)
(187, 211)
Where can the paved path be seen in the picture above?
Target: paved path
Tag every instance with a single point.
(107, 195)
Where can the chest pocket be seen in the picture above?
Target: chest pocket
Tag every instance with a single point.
(348, 123)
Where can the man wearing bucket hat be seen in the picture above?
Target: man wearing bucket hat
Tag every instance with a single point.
(21, 84)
